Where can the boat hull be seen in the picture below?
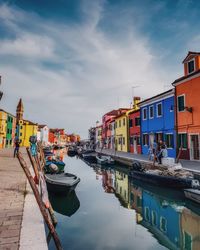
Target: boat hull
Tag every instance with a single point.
(193, 195)
(55, 185)
(165, 181)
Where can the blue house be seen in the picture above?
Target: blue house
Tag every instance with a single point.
(158, 121)
(162, 219)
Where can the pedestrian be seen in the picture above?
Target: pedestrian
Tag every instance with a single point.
(17, 145)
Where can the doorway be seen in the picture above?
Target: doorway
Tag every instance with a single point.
(194, 147)
(135, 145)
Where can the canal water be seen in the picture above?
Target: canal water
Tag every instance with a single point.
(110, 211)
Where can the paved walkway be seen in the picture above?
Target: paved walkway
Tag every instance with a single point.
(12, 193)
(189, 165)
(21, 222)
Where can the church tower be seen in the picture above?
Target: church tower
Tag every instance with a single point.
(20, 111)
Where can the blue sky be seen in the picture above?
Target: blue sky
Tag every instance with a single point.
(72, 61)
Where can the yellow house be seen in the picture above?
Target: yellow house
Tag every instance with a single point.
(121, 132)
(25, 128)
(3, 128)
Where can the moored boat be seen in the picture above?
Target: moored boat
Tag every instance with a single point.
(104, 159)
(60, 166)
(61, 183)
(192, 194)
(154, 178)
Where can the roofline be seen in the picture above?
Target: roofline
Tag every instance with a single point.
(185, 77)
(166, 93)
(190, 53)
(7, 112)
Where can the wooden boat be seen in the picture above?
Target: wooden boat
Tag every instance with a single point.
(61, 183)
(192, 194)
(165, 181)
(90, 157)
(72, 152)
(59, 164)
(104, 159)
(55, 147)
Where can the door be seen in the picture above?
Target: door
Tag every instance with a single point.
(194, 147)
(151, 139)
(135, 145)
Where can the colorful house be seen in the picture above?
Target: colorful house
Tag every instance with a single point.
(43, 134)
(3, 128)
(158, 121)
(106, 133)
(121, 131)
(11, 126)
(24, 128)
(188, 108)
(134, 128)
(57, 136)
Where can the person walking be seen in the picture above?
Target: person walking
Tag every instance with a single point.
(17, 146)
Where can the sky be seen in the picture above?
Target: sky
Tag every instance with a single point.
(71, 61)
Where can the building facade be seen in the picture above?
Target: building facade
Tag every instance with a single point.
(121, 132)
(158, 122)
(3, 128)
(188, 108)
(43, 134)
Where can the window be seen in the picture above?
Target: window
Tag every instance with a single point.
(163, 224)
(187, 241)
(115, 124)
(159, 109)
(145, 139)
(20, 134)
(144, 113)
(137, 121)
(124, 122)
(119, 140)
(146, 213)
(190, 66)
(159, 137)
(169, 139)
(154, 218)
(131, 140)
(138, 140)
(151, 112)
(119, 123)
(123, 140)
(181, 103)
(139, 201)
(182, 140)
(130, 123)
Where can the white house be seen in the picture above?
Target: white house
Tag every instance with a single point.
(43, 134)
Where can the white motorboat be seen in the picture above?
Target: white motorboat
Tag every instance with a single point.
(104, 159)
(192, 194)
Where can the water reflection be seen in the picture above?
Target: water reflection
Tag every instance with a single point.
(110, 211)
(66, 205)
(172, 220)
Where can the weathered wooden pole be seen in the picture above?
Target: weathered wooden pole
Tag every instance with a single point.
(33, 163)
(39, 201)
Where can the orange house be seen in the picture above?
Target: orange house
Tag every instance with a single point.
(187, 90)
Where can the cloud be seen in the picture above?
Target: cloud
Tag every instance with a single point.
(70, 74)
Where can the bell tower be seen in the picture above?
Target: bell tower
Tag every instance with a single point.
(20, 111)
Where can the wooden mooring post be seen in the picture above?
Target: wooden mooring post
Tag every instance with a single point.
(36, 164)
(39, 201)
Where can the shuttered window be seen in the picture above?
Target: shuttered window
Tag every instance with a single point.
(181, 103)
(182, 140)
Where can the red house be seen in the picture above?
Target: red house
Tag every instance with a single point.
(134, 132)
(55, 135)
(106, 129)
